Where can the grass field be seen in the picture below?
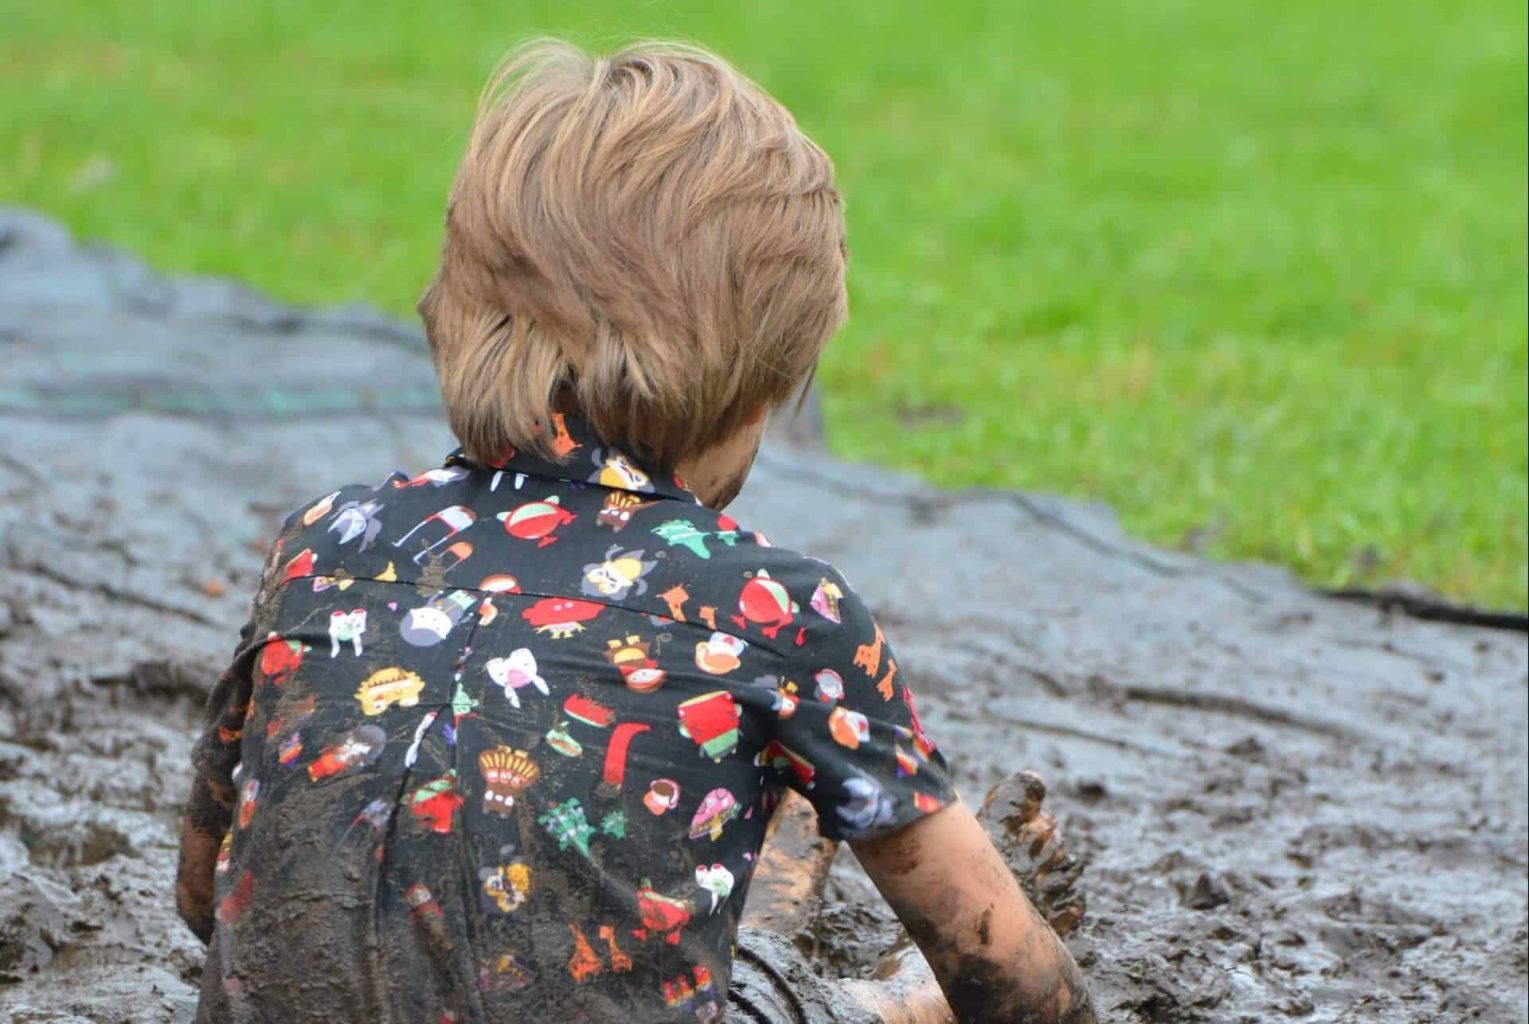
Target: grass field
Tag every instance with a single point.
(1252, 273)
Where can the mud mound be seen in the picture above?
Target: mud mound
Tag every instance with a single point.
(1291, 807)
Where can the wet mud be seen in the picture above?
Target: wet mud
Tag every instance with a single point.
(1283, 806)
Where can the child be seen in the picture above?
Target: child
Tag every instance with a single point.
(502, 741)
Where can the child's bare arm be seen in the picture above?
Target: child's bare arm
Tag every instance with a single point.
(194, 876)
(994, 957)
(210, 807)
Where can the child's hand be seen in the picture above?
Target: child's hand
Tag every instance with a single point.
(1027, 835)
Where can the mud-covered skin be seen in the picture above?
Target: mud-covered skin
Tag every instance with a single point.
(1027, 835)
(1033, 846)
(990, 949)
(194, 889)
(904, 989)
(985, 990)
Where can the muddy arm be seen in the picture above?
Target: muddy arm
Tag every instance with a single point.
(210, 806)
(995, 958)
(198, 861)
(786, 894)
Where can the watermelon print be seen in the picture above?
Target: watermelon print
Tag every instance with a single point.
(508, 739)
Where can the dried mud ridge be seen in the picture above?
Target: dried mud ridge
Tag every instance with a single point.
(1290, 807)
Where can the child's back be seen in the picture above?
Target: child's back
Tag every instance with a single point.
(502, 740)
(514, 730)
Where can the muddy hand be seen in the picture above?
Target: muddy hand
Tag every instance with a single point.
(1033, 846)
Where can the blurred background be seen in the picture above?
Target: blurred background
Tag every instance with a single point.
(1254, 274)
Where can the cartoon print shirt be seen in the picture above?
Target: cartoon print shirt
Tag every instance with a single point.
(524, 725)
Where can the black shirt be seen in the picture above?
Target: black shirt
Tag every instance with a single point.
(506, 740)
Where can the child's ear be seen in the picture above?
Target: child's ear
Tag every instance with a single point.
(757, 416)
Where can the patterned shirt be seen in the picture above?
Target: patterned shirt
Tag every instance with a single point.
(505, 740)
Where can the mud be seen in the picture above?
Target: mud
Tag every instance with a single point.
(1290, 807)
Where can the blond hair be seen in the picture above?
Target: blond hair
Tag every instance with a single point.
(646, 240)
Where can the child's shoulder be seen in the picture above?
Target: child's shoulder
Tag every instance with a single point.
(767, 585)
(326, 531)
(660, 555)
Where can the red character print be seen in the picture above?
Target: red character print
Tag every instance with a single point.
(238, 899)
(561, 617)
(249, 793)
(536, 520)
(711, 720)
(780, 757)
(614, 773)
(429, 919)
(359, 747)
(500, 583)
(422, 903)
(661, 915)
(280, 659)
(631, 657)
(588, 710)
(301, 564)
(436, 802)
(927, 804)
(921, 741)
(764, 602)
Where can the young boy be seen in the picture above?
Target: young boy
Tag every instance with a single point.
(502, 741)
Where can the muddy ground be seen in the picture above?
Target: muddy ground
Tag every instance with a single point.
(1293, 808)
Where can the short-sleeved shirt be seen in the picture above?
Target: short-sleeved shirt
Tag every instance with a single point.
(506, 739)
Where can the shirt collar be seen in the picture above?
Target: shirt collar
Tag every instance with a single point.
(587, 460)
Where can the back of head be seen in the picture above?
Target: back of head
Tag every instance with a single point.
(645, 240)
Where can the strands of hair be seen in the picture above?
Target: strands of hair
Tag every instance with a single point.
(646, 240)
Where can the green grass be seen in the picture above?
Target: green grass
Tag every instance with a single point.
(1252, 273)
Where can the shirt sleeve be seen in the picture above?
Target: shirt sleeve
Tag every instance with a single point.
(853, 744)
